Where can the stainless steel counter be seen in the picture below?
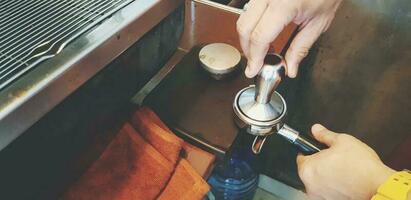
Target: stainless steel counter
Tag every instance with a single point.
(32, 96)
(62, 144)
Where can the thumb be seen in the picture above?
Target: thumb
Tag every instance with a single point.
(324, 135)
(301, 45)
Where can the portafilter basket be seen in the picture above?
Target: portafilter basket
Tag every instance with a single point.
(261, 110)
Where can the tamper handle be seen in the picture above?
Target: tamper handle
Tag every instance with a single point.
(270, 76)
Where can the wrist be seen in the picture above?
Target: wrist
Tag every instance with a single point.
(380, 178)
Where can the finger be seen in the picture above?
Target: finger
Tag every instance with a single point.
(273, 21)
(324, 135)
(248, 20)
(301, 45)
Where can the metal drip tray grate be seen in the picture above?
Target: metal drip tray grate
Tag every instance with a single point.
(32, 31)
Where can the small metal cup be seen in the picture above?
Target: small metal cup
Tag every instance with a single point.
(219, 59)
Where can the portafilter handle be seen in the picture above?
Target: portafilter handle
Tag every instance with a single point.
(270, 76)
(305, 144)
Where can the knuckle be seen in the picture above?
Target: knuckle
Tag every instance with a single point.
(242, 29)
(258, 37)
(301, 52)
(344, 138)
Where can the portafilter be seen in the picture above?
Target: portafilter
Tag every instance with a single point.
(261, 110)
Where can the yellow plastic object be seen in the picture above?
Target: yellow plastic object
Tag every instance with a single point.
(397, 187)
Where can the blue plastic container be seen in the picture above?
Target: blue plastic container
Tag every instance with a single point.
(235, 178)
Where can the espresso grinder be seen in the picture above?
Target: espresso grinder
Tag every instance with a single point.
(261, 110)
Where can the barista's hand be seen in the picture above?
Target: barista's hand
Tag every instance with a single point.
(349, 169)
(265, 19)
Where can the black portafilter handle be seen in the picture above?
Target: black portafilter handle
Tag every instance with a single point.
(305, 144)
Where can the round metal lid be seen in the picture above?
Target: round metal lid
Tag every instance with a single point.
(258, 114)
(219, 58)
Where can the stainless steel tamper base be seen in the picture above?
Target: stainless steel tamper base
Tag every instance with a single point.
(258, 119)
(262, 129)
(260, 110)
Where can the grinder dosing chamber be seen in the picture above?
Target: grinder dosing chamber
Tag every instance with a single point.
(261, 110)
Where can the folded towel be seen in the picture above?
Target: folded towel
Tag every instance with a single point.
(141, 165)
(185, 184)
(200, 160)
(129, 169)
(154, 117)
(157, 134)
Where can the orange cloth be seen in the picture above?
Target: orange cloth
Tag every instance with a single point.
(129, 169)
(146, 122)
(139, 165)
(154, 117)
(185, 184)
(200, 160)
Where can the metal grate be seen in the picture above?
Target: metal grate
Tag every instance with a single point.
(32, 31)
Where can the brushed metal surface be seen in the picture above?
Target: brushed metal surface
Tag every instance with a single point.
(58, 148)
(29, 98)
(33, 31)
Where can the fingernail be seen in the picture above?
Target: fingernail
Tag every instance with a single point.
(317, 128)
(292, 73)
(292, 70)
(248, 72)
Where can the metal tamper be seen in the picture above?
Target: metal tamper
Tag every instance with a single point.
(261, 110)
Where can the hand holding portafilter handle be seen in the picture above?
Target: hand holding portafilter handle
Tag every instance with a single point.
(267, 81)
